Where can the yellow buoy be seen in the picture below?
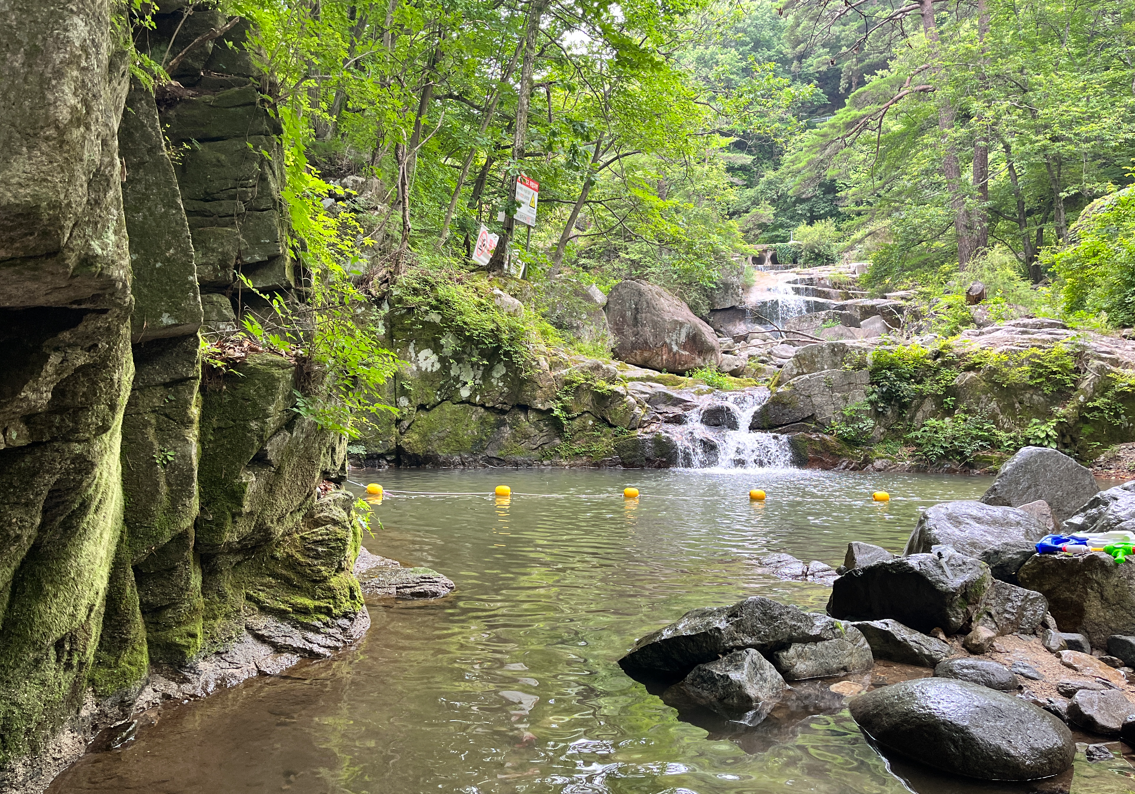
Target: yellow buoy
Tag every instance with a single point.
(757, 495)
(881, 496)
(374, 489)
(502, 490)
(630, 493)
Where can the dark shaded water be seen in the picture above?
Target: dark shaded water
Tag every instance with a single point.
(510, 684)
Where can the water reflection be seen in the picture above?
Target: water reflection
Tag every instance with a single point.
(509, 685)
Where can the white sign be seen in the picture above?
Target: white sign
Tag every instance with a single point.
(486, 244)
(527, 194)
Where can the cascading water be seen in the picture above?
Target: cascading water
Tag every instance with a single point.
(789, 304)
(715, 435)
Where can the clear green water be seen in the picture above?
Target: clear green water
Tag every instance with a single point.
(511, 685)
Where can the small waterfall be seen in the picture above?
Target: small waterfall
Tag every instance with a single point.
(789, 303)
(715, 435)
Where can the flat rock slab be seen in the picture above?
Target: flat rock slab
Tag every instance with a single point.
(978, 671)
(409, 583)
(895, 642)
(1040, 473)
(965, 729)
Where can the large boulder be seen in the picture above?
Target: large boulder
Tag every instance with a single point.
(1107, 511)
(924, 591)
(965, 729)
(895, 642)
(1103, 712)
(655, 329)
(1037, 473)
(818, 397)
(1007, 609)
(973, 528)
(1086, 593)
(739, 683)
(839, 656)
(824, 356)
(703, 635)
(861, 554)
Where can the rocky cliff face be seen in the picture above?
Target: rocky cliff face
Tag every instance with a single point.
(150, 519)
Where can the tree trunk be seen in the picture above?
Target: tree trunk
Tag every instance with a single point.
(486, 122)
(520, 132)
(565, 238)
(337, 103)
(1028, 249)
(951, 166)
(1059, 220)
(980, 217)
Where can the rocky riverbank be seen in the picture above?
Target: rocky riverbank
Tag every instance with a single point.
(967, 652)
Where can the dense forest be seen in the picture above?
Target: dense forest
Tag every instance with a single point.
(941, 142)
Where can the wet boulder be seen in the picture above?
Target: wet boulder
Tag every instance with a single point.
(1108, 511)
(895, 642)
(978, 671)
(1040, 473)
(737, 684)
(1122, 647)
(1101, 712)
(787, 567)
(965, 729)
(655, 329)
(1086, 593)
(721, 415)
(975, 529)
(924, 591)
(861, 554)
(1007, 609)
(839, 656)
(703, 635)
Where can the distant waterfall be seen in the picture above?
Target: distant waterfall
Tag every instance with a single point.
(715, 435)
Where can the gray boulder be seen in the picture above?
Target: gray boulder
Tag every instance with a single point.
(703, 635)
(1007, 609)
(1041, 473)
(721, 415)
(895, 642)
(965, 729)
(923, 591)
(1041, 512)
(653, 328)
(825, 356)
(841, 656)
(976, 529)
(978, 671)
(405, 583)
(737, 684)
(1123, 647)
(1102, 712)
(1088, 593)
(862, 554)
(818, 397)
(1107, 511)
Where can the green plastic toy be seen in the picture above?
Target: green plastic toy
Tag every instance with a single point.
(1120, 551)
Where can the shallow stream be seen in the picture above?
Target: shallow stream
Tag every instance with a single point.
(510, 685)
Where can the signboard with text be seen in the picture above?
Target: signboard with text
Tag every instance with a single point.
(527, 194)
(486, 244)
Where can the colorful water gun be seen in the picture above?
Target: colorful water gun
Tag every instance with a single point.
(1119, 545)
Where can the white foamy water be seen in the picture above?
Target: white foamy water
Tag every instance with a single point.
(789, 304)
(725, 442)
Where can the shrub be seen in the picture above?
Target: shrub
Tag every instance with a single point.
(818, 242)
(712, 378)
(957, 438)
(854, 424)
(903, 373)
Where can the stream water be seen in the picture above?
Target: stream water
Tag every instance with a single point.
(510, 685)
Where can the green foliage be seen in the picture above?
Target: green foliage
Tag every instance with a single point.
(854, 425)
(1052, 370)
(464, 304)
(787, 253)
(1041, 434)
(713, 378)
(1096, 276)
(1110, 406)
(903, 373)
(957, 438)
(817, 242)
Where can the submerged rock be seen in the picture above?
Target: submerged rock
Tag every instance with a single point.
(1040, 473)
(978, 671)
(737, 684)
(895, 642)
(1086, 593)
(704, 635)
(965, 729)
(923, 591)
(787, 567)
(380, 576)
